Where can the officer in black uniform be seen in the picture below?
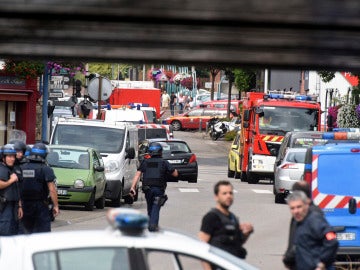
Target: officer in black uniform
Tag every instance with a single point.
(10, 203)
(154, 170)
(39, 181)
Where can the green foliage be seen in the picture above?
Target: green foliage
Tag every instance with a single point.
(245, 79)
(229, 136)
(326, 76)
(108, 70)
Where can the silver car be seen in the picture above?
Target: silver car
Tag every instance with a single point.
(288, 172)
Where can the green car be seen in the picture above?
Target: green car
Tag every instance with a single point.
(80, 175)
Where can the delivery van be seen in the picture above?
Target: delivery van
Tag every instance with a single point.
(333, 171)
(117, 143)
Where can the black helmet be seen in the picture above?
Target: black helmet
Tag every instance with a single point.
(39, 149)
(19, 145)
(28, 151)
(155, 149)
(8, 149)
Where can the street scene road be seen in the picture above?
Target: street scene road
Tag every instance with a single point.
(188, 202)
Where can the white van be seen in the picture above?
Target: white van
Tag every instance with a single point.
(117, 144)
(125, 115)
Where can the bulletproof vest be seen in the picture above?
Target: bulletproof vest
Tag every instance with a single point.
(155, 172)
(11, 193)
(34, 186)
(229, 237)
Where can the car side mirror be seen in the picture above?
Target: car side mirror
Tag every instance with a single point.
(130, 153)
(246, 115)
(99, 168)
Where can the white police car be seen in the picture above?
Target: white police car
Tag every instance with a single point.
(127, 245)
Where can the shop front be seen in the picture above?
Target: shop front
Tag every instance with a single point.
(18, 107)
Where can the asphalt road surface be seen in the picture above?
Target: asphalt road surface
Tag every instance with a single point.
(188, 202)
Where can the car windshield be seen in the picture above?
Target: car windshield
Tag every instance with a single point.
(104, 139)
(68, 158)
(152, 133)
(83, 259)
(279, 120)
(174, 147)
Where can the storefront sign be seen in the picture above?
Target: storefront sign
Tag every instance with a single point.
(11, 81)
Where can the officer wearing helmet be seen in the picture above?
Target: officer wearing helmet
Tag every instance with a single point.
(154, 171)
(38, 184)
(20, 148)
(10, 203)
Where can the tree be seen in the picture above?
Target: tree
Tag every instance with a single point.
(245, 79)
(107, 69)
(326, 76)
(213, 72)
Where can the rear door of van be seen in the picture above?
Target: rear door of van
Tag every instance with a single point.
(335, 184)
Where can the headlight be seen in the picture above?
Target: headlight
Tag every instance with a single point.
(79, 183)
(111, 166)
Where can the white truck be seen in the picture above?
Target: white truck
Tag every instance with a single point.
(117, 143)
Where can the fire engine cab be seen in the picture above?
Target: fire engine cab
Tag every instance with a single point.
(266, 118)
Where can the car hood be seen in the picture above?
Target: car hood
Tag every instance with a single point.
(66, 176)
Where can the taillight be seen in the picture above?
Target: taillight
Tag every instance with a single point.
(289, 166)
(192, 158)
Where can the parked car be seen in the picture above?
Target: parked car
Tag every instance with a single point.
(222, 104)
(126, 244)
(179, 155)
(79, 174)
(288, 172)
(192, 119)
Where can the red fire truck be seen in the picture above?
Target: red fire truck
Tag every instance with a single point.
(265, 120)
(127, 96)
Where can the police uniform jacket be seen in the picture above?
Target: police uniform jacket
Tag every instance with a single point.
(36, 175)
(314, 242)
(11, 193)
(155, 171)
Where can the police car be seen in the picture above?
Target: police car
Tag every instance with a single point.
(126, 244)
(333, 171)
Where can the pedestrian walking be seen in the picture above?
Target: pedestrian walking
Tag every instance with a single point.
(155, 171)
(173, 101)
(289, 256)
(10, 203)
(165, 101)
(38, 184)
(181, 101)
(221, 228)
(315, 241)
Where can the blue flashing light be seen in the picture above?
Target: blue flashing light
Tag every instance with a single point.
(276, 96)
(302, 97)
(108, 106)
(308, 167)
(138, 107)
(164, 122)
(141, 121)
(346, 129)
(128, 220)
(329, 135)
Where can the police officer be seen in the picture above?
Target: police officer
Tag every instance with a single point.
(38, 183)
(20, 148)
(154, 170)
(10, 203)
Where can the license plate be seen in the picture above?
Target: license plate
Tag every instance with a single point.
(345, 236)
(175, 161)
(62, 192)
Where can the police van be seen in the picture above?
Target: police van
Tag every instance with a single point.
(117, 143)
(333, 171)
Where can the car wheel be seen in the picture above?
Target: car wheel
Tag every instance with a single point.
(89, 206)
(230, 173)
(176, 125)
(117, 202)
(279, 198)
(251, 178)
(193, 180)
(243, 177)
(100, 203)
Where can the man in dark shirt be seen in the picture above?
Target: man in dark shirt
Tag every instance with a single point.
(315, 241)
(289, 256)
(220, 227)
